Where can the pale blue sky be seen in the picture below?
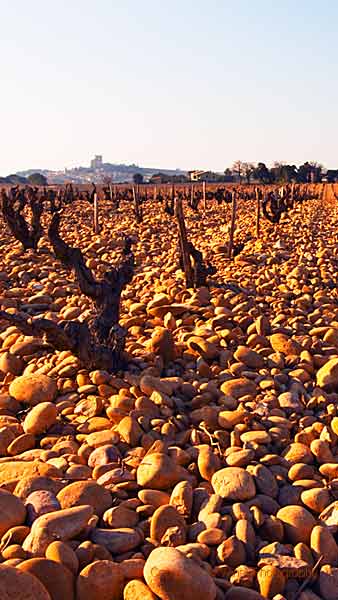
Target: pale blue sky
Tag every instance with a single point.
(179, 83)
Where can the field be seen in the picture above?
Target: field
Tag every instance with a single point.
(169, 391)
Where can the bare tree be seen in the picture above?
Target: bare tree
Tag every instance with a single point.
(248, 169)
(316, 173)
(237, 168)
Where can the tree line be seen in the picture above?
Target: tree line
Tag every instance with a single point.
(248, 172)
(33, 179)
(309, 172)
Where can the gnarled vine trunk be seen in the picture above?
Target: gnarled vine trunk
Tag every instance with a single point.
(13, 205)
(99, 344)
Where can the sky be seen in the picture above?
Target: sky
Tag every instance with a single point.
(173, 84)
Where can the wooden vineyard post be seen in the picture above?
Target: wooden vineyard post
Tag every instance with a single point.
(183, 241)
(233, 222)
(137, 206)
(135, 198)
(258, 213)
(292, 194)
(204, 196)
(110, 192)
(96, 214)
(324, 190)
(155, 194)
(192, 195)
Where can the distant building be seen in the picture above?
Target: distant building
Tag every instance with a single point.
(97, 162)
(203, 176)
(162, 178)
(159, 178)
(331, 176)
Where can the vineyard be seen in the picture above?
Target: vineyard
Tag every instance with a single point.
(169, 392)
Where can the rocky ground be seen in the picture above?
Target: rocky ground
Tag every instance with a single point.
(208, 469)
